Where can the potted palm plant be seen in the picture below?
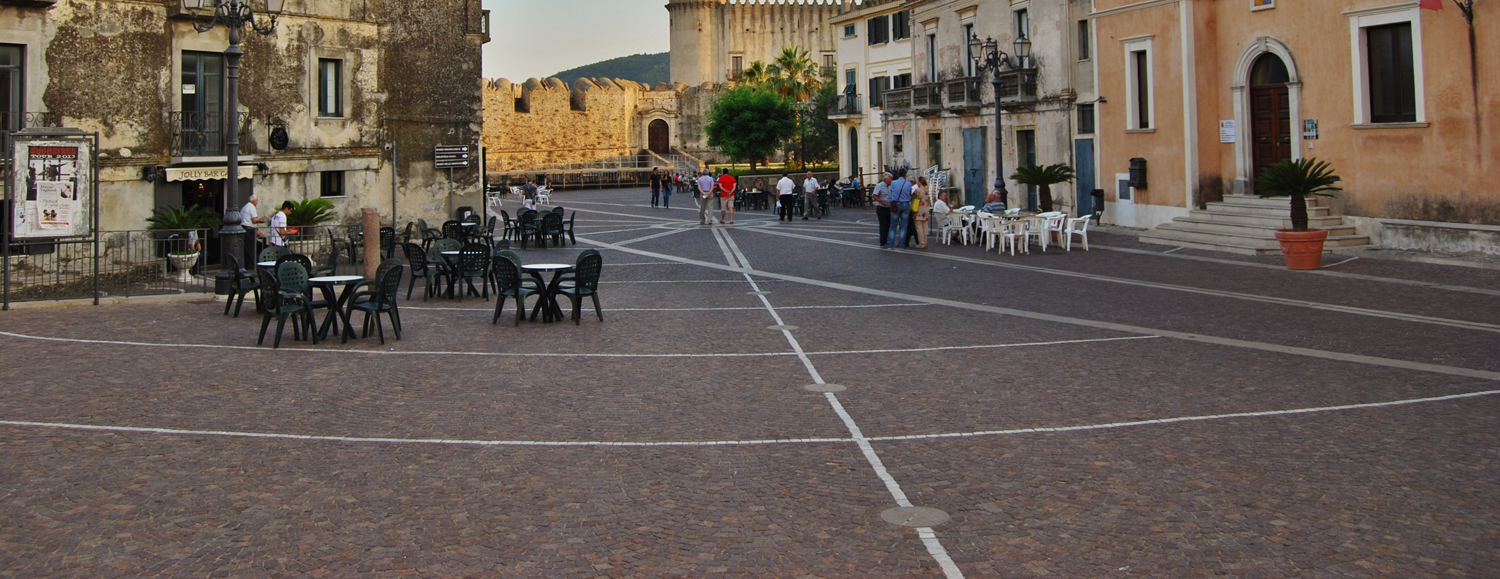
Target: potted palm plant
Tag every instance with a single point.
(1302, 247)
(183, 252)
(1044, 178)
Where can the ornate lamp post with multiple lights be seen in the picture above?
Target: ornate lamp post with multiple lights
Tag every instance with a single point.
(234, 15)
(988, 56)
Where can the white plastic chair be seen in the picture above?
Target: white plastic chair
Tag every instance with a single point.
(989, 229)
(544, 195)
(1013, 234)
(1036, 228)
(1077, 226)
(1054, 224)
(955, 225)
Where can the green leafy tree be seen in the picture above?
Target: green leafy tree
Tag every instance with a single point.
(794, 75)
(822, 136)
(749, 124)
(1044, 178)
(1298, 179)
(756, 74)
(183, 218)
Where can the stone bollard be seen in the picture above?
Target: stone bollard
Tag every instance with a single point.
(371, 218)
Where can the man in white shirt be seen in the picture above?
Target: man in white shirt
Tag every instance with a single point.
(278, 224)
(705, 197)
(248, 218)
(784, 189)
(810, 193)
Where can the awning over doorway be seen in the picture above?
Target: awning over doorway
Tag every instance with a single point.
(206, 173)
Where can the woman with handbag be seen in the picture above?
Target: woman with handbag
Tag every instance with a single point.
(920, 212)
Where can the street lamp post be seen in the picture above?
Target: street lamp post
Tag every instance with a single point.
(988, 56)
(234, 15)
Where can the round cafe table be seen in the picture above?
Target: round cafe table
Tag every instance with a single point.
(339, 305)
(547, 304)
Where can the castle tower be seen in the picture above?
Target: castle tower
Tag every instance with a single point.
(693, 44)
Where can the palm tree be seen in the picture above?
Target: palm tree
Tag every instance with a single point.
(757, 74)
(794, 75)
(1044, 178)
(1297, 179)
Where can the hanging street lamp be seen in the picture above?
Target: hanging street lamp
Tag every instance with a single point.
(988, 56)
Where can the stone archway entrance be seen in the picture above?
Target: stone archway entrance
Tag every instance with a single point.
(659, 137)
(1270, 114)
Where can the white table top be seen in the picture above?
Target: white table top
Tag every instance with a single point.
(336, 279)
(547, 266)
(448, 252)
(267, 264)
(469, 224)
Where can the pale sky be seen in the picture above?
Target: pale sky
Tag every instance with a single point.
(536, 38)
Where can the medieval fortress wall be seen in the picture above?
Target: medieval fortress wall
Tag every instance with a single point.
(544, 123)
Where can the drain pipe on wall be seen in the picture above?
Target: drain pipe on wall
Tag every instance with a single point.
(392, 146)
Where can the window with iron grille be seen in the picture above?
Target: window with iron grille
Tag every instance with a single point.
(736, 66)
(902, 24)
(879, 30)
(1393, 86)
(330, 87)
(12, 86)
(332, 184)
(1085, 119)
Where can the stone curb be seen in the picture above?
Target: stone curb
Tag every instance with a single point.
(114, 301)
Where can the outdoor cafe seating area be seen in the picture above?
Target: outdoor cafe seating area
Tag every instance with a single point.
(468, 258)
(1013, 229)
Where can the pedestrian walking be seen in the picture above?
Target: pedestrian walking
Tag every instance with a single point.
(725, 186)
(882, 198)
(900, 203)
(810, 195)
(704, 197)
(786, 200)
(666, 190)
(655, 186)
(921, 212)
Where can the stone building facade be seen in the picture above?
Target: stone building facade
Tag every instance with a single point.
(345, 82)
(712, 40)
(544, 124)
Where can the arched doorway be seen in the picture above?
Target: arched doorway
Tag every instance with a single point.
(658, 137)
(1270, 113)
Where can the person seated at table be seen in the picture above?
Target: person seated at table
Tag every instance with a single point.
(994, 203)
(941, 207)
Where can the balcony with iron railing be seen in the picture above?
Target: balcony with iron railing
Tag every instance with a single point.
(200, 133)
(963, 93)
(845, 106)
(927, 99)
(13, 121)
(1017, 87)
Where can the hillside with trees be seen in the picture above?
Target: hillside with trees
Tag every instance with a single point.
(643, 68)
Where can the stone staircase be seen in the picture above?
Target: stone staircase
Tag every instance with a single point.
(1247, 225)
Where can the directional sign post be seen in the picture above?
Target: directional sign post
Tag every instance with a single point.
(450, 157)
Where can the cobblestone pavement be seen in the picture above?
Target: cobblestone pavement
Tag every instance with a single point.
(1120, 412)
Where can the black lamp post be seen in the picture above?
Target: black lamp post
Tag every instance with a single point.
(234, 15)
(988, 56)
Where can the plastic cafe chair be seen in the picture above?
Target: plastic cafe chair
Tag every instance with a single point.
(1078, 226)
(243, 283)
(421, 269)
(510, 284)
(330, 265)
(453, 230)
(341, 244)
(1054, 225)
(287, 290)
(1013, 235)
(584, 283)
(387, 241)
(381, 300)
(473, 263)
(272, 253)
(552, 226)
(568, 228)
(356, 240)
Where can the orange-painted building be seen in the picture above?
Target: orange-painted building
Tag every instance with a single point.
(1206, 92)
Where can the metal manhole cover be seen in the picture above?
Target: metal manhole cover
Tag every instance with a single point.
(914, 516)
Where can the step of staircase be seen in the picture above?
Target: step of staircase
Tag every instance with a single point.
(1210, 223)
(1262, 210)
(1236, 243)
(1281, 221)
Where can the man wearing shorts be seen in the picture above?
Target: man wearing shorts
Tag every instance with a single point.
(726, 186)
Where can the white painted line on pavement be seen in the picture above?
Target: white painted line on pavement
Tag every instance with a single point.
(662, 234)
(736, 258)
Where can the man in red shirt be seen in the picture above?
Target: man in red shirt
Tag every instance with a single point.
(725, 187)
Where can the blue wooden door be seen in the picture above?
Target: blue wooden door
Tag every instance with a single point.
(974, 169)
(1083, 158)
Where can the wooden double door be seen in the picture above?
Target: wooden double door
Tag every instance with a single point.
(1271, 125)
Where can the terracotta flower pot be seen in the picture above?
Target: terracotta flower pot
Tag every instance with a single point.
(1302, 249)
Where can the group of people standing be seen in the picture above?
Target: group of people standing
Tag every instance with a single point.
(705, 190)
(904, 210)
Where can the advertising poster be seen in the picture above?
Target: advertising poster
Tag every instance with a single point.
(51, 189)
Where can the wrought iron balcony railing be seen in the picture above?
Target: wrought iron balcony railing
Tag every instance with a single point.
(12, 121)
(845, 106)
(200, 133)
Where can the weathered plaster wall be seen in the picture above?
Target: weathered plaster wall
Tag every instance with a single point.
(705, 33)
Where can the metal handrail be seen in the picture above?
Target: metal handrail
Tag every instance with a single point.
(199, 133)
